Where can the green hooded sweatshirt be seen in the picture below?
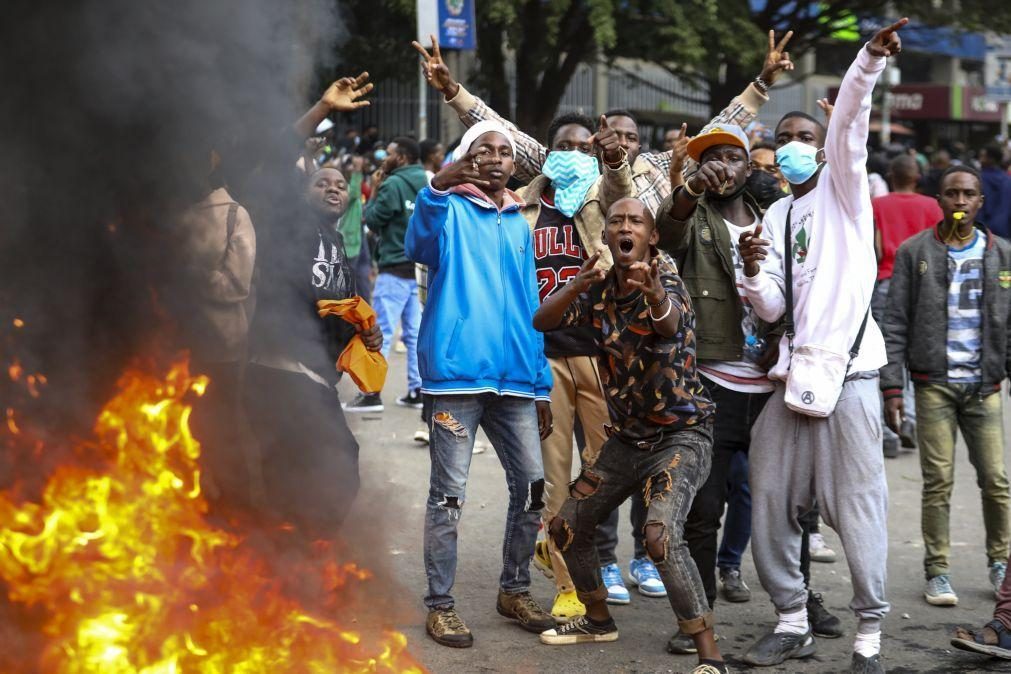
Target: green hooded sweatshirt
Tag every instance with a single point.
(389, 210)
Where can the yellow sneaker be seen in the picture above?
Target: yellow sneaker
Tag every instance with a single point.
(542, 559)
(567, 606)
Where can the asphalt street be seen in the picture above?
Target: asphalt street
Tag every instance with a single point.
(916, 636)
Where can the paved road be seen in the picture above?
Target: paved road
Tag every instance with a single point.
(395, 470)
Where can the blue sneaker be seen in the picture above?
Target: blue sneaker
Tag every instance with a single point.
(645, 575)
(617, 593)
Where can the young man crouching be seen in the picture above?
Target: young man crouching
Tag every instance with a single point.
(660, 438)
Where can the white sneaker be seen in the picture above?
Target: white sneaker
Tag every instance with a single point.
(819, 551)
(421, 436)
(479, 447)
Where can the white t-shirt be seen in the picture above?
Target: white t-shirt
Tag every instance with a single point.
(965, 315)
(742, 375)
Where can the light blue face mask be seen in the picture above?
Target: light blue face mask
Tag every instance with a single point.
(379, 155)
(572, 173)
(797, 161)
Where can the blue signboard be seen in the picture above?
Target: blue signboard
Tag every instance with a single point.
(457, 27)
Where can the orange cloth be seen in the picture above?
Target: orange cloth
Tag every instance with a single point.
(367, 368)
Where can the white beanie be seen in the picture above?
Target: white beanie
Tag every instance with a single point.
(478, 130)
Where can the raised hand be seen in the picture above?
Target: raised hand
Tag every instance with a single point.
(776, 60)
(714, 176)
(606, 139)
(588, 275)
(462, 171)
(435, 69)
(679, 157)
(646, 277)
(343, 94)
(826, 108)
(752, 249)
(886, 42)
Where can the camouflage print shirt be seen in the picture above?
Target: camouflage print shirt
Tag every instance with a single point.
(649, 380)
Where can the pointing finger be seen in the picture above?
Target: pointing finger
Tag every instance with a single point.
(772, 40)
(897, 25)
(684, 130)
(603, 123)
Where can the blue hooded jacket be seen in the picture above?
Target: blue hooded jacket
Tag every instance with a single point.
(477, 333)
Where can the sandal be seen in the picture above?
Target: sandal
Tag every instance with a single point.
(976, 642)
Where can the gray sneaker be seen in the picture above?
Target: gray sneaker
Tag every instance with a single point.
(733, 586)
(775, 648)
(938, 591)
(997, 572)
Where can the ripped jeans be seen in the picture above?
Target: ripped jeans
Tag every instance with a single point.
(511, 424)
(669, 473)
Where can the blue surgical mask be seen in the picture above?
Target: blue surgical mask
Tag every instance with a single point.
(797, 161)
(572, 173)
(380, 155)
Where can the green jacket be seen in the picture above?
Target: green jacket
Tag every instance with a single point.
(389, 210)
(701, 246)
(351, 222)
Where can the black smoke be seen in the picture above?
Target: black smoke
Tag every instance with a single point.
(107, 108)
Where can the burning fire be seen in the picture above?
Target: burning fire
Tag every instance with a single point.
(132, 577)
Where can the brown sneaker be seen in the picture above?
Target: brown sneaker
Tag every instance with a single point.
(522, 608)
(446, 628)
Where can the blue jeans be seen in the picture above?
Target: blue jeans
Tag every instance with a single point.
(397, 298)
(737, 524)
(511, 424)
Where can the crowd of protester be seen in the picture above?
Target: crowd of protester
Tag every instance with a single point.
(737, 329)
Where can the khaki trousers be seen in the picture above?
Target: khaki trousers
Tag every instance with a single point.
(576, 392)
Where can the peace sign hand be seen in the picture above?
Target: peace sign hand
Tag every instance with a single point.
(435, 69)
(462, 171)
(776, 60)
(343, 94)
(886, 42)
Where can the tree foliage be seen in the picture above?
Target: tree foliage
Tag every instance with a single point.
(718, 43)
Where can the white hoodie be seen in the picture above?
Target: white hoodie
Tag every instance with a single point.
(834, 281)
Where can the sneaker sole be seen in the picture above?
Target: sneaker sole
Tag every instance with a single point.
(553, 640)
(370, 408)
(805, 651)
(615, 601)
(416, 406)
(452, 644)
(736, 598)
(824, 559)
(651, 593)
(827, 635)
(950, 600)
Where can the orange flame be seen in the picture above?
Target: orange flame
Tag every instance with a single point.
(134, 580)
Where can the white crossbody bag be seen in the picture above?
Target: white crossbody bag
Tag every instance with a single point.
(816, 375)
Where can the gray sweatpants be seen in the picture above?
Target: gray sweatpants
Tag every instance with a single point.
(796, 459)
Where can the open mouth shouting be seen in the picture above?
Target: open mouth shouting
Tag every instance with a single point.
(626, 245)
(334, 200)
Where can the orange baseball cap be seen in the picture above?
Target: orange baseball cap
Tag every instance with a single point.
(718, 134)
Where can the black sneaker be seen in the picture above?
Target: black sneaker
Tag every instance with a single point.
(580, 630)
(412, 399)
(823, 623)
(890, 447)
(365, 402)
(734, 588)
(775, 648)
(864, 665)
